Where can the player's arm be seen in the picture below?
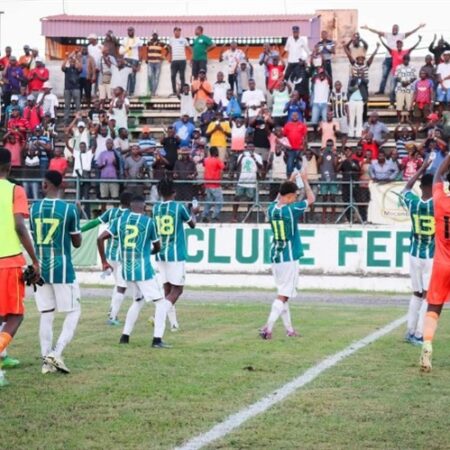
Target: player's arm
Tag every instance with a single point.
(156, 248)
(442, 170)
(90, 225)
(25, 240)
(372, 30)
(76, 239)
(310, 197)
(412, 181)
(101, 249)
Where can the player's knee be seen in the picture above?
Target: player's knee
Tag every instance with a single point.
(435, 308)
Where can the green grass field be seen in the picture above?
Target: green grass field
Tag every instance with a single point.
(135, 397)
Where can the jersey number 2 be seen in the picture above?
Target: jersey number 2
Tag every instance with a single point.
(130, 237)
(47, 239)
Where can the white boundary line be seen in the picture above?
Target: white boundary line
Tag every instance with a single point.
(236, 420)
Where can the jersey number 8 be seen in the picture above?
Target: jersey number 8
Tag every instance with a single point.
(165, 225)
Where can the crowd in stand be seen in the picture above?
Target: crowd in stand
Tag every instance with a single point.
(229, 127)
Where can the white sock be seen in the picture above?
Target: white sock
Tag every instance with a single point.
(286, 317)
(46, 332)
(114, 292)
(420, 321)
(116, 303)
(68, 330)
(275, 312)
(172, 316)
(132, 316)
(413, 313)
(4, 353)
(162, 307)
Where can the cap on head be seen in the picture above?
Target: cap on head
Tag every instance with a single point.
(14, 97)
(47, 85)
(447, 52)
(92, 36)
(433, 116)
(81, 124)
(295, 28)
(30, 97)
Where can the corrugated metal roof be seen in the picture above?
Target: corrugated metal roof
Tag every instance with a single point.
(215, 26)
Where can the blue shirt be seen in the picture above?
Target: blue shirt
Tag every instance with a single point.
(295, 107)
(184, 132)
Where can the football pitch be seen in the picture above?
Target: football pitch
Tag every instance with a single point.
(136, 397)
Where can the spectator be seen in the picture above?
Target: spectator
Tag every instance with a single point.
(339, 107)
(97, 114)
(238, 134)
(187, 102)
(4, 60)
(391, 38)
(253, 99)
(243, 76)
(102, 134)
(134, 169)
(25, 60)
(280, 97)
(200, 47)
(184, 170)
(33, 113)
(177, 59)
(249, 165)
(402, 135)
(13, 104)
(233, 108)
(265, 57)
(17, 123)
(14, 143)
(207, 116)
(220, 88)
(122, 142)
(147, 146)
(130, 52)
(300, 79)
(443, 75)
(233, 57)
(429, 68)
(42, 144)
(328, 164)
(297, 134)
(329, 129)
(357, 46)
(277, 163)
(411, 164)
(120, 75)
(316, 62)
(213, 176)
(218, 132)
(327, 48)
(31, 171)
(378, 129)
(383, 170)
(362, 194)
(439, 49)
(78, 145)
(321, 88)
(201, 91)
(71, 67)
(369, 145)
(111, 45)
(423, 97)
(170, 143)
(95, 50)
(37, 77)
(109, 170)
(262, 126)
(87, 75)
(48, 100)
(154, 61)
(84, 172)
(160, 167)
(295, 104)
(275, 71)
(13, 78)
(350, 175)
(183, 130)
(297, 48)
(405, 76)
(397, 53)
(107, 64)
(58, 162)
(119, 108)
(434, 152)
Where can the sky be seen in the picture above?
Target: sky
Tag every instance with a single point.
(18, 28)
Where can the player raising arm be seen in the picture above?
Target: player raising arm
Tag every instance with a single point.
(138, 239)
(439, 289)
(55, 226)
(14, 208)
(286, 250)
(170, 216)
(421, 250)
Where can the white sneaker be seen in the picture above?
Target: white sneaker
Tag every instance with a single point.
(56, 362)
(47, 368)
(174, 328)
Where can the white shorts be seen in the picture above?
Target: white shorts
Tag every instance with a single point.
(172, 272)
(343, 125)
(149, 289)
(117, 274)
(286, 278)
(59, 297)
(420, 271)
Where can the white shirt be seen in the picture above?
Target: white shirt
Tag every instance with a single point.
(130, 48)
(178, 46)
(391, 40)
(120, 114)
(122, 144)
(187, 105)
(82, 161)
(96, 52)
(249, 169)
(253, 98)
(220, 92)
(321, 91)
(101, 146)
(297, 49)
(120, 77)
(443, 69)
(49, 104)
(233, 58)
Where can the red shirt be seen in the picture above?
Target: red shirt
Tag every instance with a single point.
(59, 163)
(19, 124)
(35, 84)
(372, 146)
(33, 115)
(424, 89)
(295, 132)
(16, 152)
(213, 171)
(397, 58)
(441, 202)
(275, 76)
(4, 61)
(411, 165)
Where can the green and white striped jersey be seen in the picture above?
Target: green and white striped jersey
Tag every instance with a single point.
(423, 225)
(52, 222)
(286, 244)
(170, 217)
(112, 246)
(135, 234)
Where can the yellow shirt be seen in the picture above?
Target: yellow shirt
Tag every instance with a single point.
(218, 138)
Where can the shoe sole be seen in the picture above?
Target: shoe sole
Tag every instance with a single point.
(54, 364)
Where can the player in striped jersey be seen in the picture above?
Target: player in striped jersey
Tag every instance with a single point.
(286, 250)
(421, 250)
(112, 253)
(55, 226)
(138, 239)
(170, 217)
